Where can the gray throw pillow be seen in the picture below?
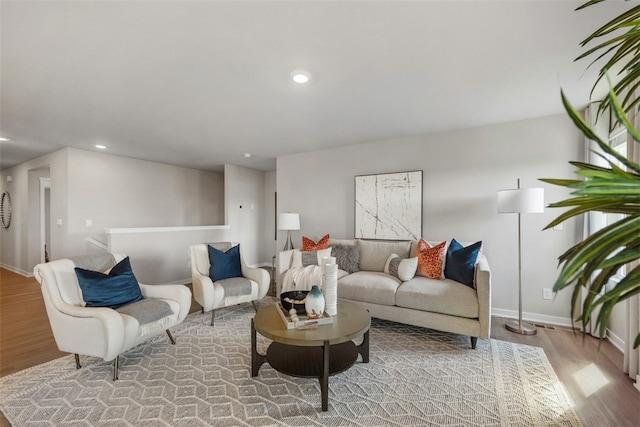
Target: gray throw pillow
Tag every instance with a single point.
(347, 257)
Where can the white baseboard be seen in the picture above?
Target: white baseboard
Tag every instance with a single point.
(532, 317)
(17, 270)
(616, 341)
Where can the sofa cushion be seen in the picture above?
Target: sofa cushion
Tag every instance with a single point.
(374, 253)
(438, 296)
(347, 257)
(461, 262)
(368, 286)
(343, 242)
(309, 245)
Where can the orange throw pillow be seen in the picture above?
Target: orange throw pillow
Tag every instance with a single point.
(310, 245)
(430, 259)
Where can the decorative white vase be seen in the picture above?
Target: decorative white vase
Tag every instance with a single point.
(314, 304)
(330, 286)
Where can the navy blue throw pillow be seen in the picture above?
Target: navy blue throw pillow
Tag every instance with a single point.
(112, 290)
(461, 262)
(223, 265)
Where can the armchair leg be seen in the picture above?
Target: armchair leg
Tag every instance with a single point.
(173, 341)
(77, 357)
(255, 306)
(213, 316)
(115, 368)
(474, 340)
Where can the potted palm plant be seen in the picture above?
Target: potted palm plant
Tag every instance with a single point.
(611, 189)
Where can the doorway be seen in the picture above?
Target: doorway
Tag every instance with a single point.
(45, 219)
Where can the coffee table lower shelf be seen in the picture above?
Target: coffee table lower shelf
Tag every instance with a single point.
(307, 362)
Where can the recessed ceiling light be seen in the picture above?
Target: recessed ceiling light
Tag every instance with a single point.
(301, 76)
(100, 146)
(247, 155)
(4, 139)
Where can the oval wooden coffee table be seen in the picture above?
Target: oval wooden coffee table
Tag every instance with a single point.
(312, 353)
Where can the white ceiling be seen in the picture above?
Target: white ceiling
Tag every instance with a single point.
(200, 83)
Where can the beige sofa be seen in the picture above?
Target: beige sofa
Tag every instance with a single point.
(445, 305)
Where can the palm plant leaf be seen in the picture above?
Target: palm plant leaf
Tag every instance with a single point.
(591, 264)
(623, 48)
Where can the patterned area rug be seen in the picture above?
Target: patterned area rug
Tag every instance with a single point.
(415, 377)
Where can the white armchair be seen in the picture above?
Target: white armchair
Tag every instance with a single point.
(211, 295)
(101, 331)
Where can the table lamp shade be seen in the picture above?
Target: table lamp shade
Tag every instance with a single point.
(521, 200)
(289, 221)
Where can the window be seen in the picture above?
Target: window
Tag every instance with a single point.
(617, 141)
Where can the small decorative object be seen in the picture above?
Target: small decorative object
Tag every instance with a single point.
(314, 305)
(330, 285)
(296, 321)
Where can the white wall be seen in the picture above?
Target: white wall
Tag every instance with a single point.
(115, 191)
(111, 191)
(463, 170)
(162, 256)
(245, 210)
(16, 252)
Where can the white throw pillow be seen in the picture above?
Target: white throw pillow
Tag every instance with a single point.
(402, 268)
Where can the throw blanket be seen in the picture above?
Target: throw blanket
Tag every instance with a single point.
(94, 262)
(301, 278)
(153, 314)
(235, 286)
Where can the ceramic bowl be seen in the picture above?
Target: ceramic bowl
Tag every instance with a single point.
(297, 297)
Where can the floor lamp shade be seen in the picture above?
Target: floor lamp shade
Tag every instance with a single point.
(520, 200)
(288, 222)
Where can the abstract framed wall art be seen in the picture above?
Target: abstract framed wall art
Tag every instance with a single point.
(389, 206)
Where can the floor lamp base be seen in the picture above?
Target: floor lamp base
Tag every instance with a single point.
(521, 328)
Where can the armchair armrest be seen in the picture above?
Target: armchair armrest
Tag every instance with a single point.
(179, 293)
(203, 290)
(258, 275)
(483, 288)
(94, 331)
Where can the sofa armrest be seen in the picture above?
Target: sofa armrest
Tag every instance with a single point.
(283, 264)
(483, 288)
(284, 261)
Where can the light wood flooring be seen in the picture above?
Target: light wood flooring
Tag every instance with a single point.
(608, 398)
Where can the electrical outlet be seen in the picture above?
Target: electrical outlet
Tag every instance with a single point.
(547, 293)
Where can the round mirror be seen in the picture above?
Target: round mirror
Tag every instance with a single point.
(5, 209)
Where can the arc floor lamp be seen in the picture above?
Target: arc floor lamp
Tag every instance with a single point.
(520, 200)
